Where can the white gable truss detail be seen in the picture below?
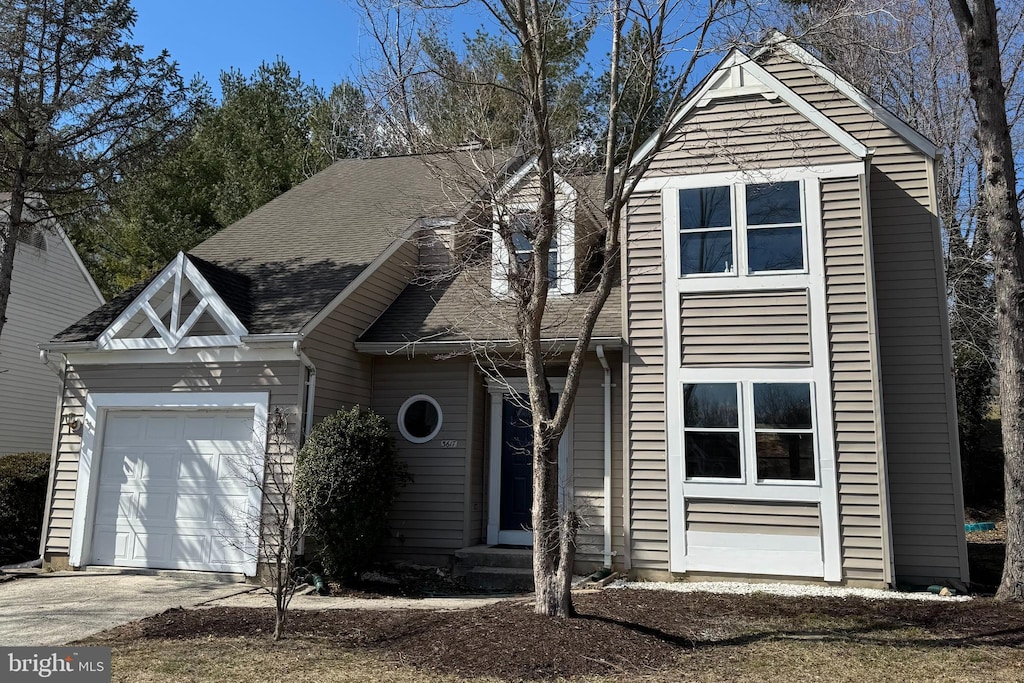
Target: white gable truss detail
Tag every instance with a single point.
(169, 309)
(739, 76)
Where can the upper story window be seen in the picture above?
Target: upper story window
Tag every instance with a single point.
(742, 228)
(522, 226)
(518, 222)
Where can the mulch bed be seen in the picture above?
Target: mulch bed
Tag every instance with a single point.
(618, 631)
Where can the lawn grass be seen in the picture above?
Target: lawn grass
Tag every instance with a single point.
(788, 660)
(623, 635)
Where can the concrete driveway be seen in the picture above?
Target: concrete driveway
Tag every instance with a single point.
(58, 608)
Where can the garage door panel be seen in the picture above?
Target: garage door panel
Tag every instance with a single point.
(224, 553)
(124, 428)
(156, 507)
(231, 509)
(109, 542)
(151, 547)
(113, 504)
(174, 490)
(193, 508)
(194, 466)
(162, 428)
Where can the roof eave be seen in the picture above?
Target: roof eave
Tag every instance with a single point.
(413, 348)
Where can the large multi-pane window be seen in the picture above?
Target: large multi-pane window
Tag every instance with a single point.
(717, 416)
(766, 217)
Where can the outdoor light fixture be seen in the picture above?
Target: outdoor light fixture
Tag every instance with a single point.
(72, 421)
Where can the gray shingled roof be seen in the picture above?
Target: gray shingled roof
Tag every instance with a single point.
(461, 309)
(280, 265)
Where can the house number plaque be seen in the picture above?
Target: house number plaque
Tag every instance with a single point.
(449, 443)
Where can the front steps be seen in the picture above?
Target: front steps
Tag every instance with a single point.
(495, 568)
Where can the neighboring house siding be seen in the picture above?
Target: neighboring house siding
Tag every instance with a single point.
(49, 291)
(918, 401)
(343, 376)
(858, 442)
(427, 521)
(762, 329)
(279, 379)
(645, 442)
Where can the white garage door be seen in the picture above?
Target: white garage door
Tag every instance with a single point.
(173, 490)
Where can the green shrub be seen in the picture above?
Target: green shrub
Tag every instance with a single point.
(23, 479)
(347, 477)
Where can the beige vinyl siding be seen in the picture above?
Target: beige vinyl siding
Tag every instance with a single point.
(279, 379)
(48, 292)
(753, 133)
(645, 396)
(343, 376)
(855, 400)
(918, 401)
(753, 517)
(588, 453)
(745, 329)
(427, 521)
(476, 530)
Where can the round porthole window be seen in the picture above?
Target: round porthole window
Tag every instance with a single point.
(419, 419)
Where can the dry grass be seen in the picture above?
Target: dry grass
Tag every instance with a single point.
(244, 659)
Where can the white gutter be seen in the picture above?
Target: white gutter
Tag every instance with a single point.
(607, 456)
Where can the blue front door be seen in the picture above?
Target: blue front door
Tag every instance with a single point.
(517, 464)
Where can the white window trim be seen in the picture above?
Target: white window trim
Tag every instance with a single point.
(565, 215)
(825, 491)
(401, 419)
(739, 228)
(498, 389)
(98, 405)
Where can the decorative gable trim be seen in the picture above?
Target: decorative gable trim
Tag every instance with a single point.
(867, 103)
(162, 312)
(737, 75)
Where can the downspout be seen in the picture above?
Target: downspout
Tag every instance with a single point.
(607, 456)
(310, 395)
(307, 412)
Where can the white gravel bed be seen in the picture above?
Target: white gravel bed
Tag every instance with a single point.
(785, 589)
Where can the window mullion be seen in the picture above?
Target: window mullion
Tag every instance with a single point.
(749, 436)
(739, 223)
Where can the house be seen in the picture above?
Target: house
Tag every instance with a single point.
(50, 289)
(768, 392)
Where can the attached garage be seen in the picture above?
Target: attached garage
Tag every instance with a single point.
(170, 486)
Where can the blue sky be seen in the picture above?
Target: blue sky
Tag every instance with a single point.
(318, 38)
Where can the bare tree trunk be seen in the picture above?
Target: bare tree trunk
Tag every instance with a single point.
(979, 30)
(8, 245)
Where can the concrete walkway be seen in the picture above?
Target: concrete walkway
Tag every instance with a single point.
(62, 607)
